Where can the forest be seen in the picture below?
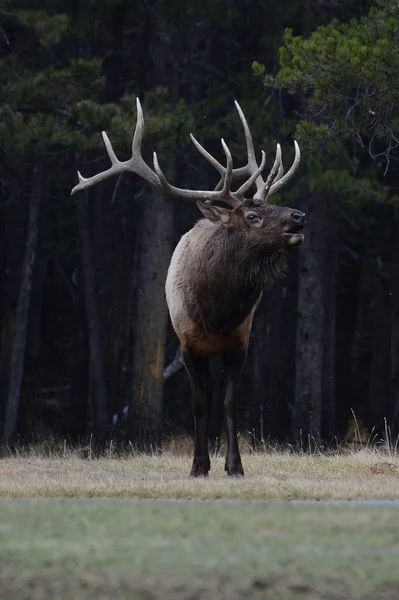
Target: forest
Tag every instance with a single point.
(86, 345)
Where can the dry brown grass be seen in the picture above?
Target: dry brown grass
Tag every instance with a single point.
(269, 475)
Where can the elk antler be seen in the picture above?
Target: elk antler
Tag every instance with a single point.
(156, 178)
(135, 164)
(223, 194)
(276, 179)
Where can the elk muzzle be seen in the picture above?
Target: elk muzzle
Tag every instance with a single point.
(297, 221)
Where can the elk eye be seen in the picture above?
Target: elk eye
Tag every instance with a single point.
(253, 217)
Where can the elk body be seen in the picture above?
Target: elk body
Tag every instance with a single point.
(219, 270)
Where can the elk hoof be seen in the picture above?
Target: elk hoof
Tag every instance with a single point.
(233, 467)
(201, 467)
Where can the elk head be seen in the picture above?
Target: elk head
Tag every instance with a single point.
(274, 226)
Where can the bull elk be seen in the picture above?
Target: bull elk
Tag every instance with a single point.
(219, 270)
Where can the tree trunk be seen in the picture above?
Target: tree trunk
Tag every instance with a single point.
(155, 249)
(379, 393)
(150, 321)
(329, 280)
(32, 371)
(275, 352)
(315, 329)
(261, 398)
(12, 244)
(100, 412)
(78, 373)
(21, 325)
(395, 369)
(394, 276)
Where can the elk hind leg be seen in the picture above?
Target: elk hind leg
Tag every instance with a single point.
(198, 371)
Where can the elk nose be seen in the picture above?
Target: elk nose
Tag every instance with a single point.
(298, 217)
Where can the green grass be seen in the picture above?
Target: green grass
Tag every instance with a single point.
(83, 549)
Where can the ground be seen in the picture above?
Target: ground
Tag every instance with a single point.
(83, 529)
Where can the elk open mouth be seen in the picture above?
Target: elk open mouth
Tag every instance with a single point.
(293, 235)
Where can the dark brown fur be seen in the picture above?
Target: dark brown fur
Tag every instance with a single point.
(228, 280)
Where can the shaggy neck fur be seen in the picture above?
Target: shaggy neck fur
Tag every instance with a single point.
(229, 275)
(233, 257)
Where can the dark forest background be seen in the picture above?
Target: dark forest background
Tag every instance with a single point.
(84, 330)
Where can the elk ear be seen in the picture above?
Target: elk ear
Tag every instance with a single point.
(216, 214)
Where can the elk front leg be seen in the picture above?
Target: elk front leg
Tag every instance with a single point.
(198, 370)
(233, 363)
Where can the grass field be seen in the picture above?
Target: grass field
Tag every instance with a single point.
(281, 476)
(96, 529)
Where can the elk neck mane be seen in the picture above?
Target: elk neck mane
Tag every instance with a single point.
(240, 260)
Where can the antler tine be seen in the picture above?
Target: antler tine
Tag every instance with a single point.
(249, 169)
(225, 191)
(247, 184)
(224, 195)
(236, 173)
(280, 172)
(279, 183)
(116, 167)
(275, 170)
(252, 165)
(274, 181)
(135, 164)
(139, 130)
(142, 168)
